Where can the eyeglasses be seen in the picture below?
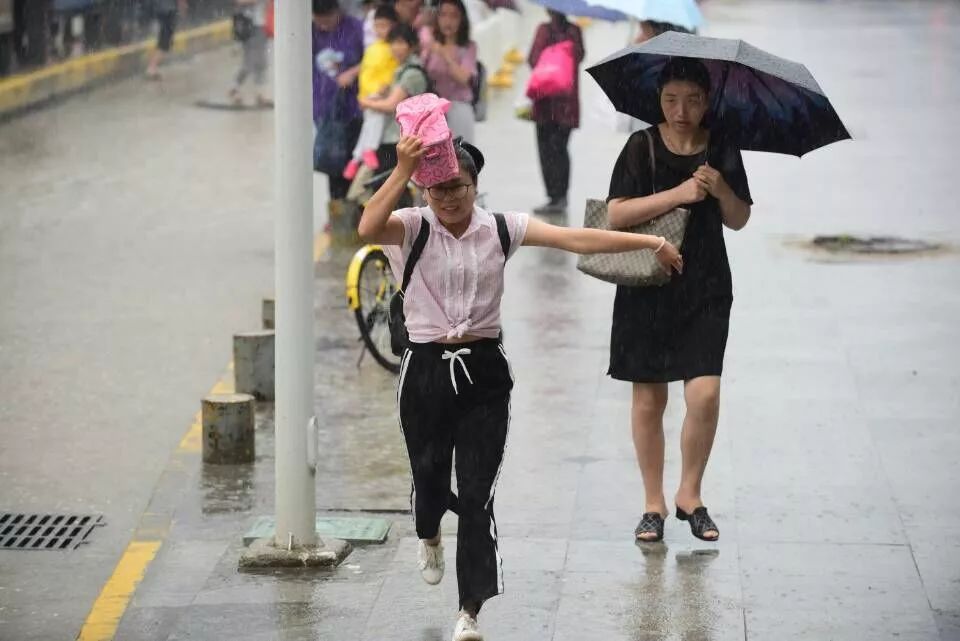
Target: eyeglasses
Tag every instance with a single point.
(449, 193)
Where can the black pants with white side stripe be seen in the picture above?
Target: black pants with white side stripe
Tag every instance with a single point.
(455, 401)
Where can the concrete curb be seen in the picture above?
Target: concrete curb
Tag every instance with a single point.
(22, 92)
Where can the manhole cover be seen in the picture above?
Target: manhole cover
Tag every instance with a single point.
(45, 531)
(882, 245)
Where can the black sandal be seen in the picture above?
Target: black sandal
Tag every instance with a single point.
(700, 522)
(650, 523)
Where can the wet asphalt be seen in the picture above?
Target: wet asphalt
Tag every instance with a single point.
(835, 458)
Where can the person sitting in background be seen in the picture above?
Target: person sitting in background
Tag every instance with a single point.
(376, 76)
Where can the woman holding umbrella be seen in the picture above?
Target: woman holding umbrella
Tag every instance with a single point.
(677, 332)
(757, 101)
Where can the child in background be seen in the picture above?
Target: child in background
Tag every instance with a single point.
(376, 75)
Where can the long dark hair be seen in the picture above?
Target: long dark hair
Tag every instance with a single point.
(463, 33)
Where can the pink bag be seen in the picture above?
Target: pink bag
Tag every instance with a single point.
(425, 116)
(554, 73)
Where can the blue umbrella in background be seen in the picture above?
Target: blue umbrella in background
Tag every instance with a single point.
(682, 13)
(582, 9)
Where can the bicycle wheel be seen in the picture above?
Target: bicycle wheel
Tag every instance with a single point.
(375, 288)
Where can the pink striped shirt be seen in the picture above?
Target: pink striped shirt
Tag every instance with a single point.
(456, 287)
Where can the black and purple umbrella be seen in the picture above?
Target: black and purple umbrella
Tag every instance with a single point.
(759, 102)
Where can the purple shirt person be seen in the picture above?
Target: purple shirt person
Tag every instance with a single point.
(337, 52)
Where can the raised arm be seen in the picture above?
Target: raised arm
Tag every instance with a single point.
(596, 241)
(376, 224)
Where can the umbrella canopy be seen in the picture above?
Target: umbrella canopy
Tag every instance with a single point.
(682, 13)
(759, 102)
(502, 4)
(581, 9)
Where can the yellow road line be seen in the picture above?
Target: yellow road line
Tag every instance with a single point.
(108, 609)
(25, 89)
(104, 618)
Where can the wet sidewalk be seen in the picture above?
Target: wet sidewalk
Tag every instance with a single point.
(834, 461)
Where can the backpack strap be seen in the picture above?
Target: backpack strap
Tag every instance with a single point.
(503, 233)
(418, 245)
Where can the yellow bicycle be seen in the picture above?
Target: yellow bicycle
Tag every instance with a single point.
(370, 286)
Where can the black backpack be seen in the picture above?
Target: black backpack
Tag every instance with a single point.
(478, 84)
(399, 338)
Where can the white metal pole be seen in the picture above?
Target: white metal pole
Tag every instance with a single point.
(296, 489)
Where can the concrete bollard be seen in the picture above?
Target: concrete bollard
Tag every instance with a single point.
(228, 428)
(253, 364)
(268, 313)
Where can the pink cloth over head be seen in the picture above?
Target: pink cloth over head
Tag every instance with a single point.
(424, 116)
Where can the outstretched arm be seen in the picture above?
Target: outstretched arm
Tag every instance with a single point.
(596, 241)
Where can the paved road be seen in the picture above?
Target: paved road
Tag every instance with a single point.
(837, 447)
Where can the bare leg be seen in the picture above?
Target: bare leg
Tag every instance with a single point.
(649, 403)
(699, 429)
(153, 68)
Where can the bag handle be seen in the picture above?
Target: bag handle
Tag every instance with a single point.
(653, 156)
(418, 245)
(653, 159)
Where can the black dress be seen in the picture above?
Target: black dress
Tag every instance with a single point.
(676, 332)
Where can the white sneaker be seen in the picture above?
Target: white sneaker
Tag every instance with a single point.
(431, 562)
(467, 629)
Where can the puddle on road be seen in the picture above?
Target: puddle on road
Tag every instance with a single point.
(848, 248)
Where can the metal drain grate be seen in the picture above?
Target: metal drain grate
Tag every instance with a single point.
(45, 531)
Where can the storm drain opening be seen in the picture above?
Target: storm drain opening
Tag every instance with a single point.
(875, 245)
(35, 532)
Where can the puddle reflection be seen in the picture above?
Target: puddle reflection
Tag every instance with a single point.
(674, 600)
